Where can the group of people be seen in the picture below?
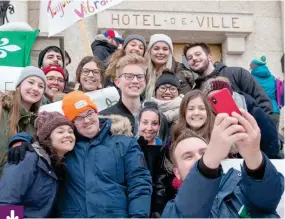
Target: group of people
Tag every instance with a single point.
(156, 153)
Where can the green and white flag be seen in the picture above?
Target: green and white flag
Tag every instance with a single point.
(16, 47)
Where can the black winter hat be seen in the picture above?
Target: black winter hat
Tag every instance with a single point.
(167, 77)
(43, 52)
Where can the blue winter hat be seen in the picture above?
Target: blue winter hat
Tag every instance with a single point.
(20, 137)
(260, 60)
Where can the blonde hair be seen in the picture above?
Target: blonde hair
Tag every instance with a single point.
(152, 74)
(129, 59)
(112, 62)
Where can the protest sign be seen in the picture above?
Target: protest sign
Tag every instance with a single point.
(64, 13)
(103, 98)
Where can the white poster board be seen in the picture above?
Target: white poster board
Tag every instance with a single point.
(9, 77)
(103, 98)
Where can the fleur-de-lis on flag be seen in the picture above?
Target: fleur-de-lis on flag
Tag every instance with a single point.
(4, 47)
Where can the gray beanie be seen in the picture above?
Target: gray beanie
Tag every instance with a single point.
(31, 71)
(135, 37)
(160, 38)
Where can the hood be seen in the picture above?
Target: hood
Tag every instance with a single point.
(219, 66)
(119, 125)
(261, 71)
(6, 99)
(41, 152)
(101, 40)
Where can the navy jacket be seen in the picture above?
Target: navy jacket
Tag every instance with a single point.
(31, 183)
(201, 197)
(269, 142)
(106, 176)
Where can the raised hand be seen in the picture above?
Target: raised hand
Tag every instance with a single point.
(249, 146)
(226, 131)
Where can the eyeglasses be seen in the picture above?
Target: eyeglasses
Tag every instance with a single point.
(86, 71)
(163, 89)
(79, 119)
(131, 76)
(54, 79)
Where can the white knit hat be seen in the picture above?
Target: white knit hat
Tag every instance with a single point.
(160, 37)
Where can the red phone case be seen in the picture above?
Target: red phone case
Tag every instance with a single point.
(223, 102)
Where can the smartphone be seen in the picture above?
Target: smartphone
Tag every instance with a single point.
(223, 102)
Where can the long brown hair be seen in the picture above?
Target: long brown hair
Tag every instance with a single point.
(14, 114)
(206, 130)
(86, 60)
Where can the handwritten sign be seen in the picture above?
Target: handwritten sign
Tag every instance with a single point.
(103, 98)
(64, 13)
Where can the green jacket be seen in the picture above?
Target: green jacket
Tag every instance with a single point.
(25, 124)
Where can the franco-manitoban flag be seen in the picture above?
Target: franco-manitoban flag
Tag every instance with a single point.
(16, 47)
(64, 13)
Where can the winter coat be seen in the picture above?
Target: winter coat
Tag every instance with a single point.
(170, 108)
(25, 124)
(269, 142)
(201, 197)
(241, 81)
(154, 155)
(32, 183)
(106, 176)
(264, 77)
(102, 49)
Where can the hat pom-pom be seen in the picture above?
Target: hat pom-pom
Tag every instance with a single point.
(263, 58)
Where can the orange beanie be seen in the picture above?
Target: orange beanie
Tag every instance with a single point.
(75, 103)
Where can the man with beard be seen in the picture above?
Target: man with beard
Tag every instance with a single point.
(199, 58)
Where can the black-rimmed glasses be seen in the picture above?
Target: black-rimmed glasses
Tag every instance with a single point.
(131, 76)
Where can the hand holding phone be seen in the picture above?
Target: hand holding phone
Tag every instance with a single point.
(223, 102)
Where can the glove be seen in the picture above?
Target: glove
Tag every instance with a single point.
(17, 154)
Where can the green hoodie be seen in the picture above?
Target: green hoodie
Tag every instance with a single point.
(25, 124)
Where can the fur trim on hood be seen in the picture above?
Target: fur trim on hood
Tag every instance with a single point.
(120, 125)
(6, 99)
(100, 37)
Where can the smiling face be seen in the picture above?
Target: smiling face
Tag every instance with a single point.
(131, 87)
(198, 60)
(32, 89)
(196, 114)
(87, 123)
(186, 154)
(62, 139)
(135, 46)
(55, 84)
(166, 92)
(90, 77)
(159, 53)
(52, 58)
(149, 126)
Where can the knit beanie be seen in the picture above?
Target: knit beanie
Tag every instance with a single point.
(135, 37)
(158, 38)
(47, 122)
(167, 77)
(43, 52)
(75, 103)
(260, 61)
(212, 85)
(54, 68)
(30, 71)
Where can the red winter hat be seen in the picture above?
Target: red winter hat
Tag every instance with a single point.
(54, 68)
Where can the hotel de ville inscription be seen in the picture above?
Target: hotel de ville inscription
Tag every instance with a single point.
(175, 21)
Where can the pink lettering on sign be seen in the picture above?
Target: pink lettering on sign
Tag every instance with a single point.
(90, 7)
(57, 9)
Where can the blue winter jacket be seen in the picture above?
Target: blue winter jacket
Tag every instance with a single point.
(106, 176)
(264, 77)
(201, 197)
(31, 183)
